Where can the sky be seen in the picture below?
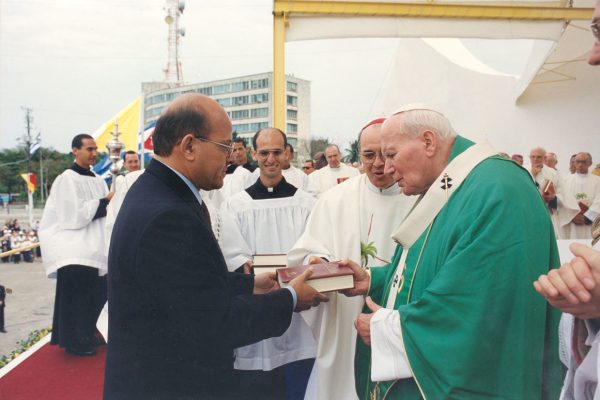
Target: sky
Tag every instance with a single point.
(77, 63)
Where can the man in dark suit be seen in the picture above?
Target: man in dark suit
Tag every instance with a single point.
(176, 314)
(2, 305)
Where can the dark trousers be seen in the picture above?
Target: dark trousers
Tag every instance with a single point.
(1, 318)
(286, 382)
(80, 296)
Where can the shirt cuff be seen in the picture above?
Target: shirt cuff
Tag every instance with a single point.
(294, 295)
(388, 355)
(591, 215)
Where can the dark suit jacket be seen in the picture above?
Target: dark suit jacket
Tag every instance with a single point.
(175, 312)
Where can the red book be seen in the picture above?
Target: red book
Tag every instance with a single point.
(326, 277)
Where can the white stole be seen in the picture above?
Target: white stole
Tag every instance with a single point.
(432, 202)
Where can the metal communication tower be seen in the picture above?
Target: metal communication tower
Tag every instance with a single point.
(174, 10)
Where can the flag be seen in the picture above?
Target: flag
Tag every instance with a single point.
(102, 167)
(128, 119)
(37, 143)
(30, 180)
(148, 132)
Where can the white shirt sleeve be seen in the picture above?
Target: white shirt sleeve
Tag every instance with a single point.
(388, 355)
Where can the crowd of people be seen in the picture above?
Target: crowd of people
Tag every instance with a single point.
(444, 238)
(13, 237)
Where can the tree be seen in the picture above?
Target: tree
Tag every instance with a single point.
(12, 164)
(353, 152)
(317, 145)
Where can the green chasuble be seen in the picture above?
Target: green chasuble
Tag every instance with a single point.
(472, 324)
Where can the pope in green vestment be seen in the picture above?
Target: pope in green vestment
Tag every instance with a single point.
(472, 324)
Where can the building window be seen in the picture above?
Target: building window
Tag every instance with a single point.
(259, 112)
(222, 88)
(239, 114)
(259, 98)
(205, 90)
(253, 127)
(239, 86)
(292, 101)
(239, 100)
(292, 86)
(292, 114)
(259, 83)
(156, 99)
(170, 96)
(226, 102)
(292, 128)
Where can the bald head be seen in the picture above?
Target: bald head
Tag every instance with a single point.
(193, 136)
(372, 158)
(536, 156)
(551, 160)
(332, 154)
(416, 143)
(189, 113)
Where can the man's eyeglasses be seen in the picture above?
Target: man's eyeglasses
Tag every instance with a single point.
(370, 157)
(595, 28)
(264, 154)
(227, 148)
(304, 168)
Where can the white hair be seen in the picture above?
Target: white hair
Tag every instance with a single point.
(419, 117)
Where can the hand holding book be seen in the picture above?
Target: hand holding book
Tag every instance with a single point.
(362, 279)
(307, 296)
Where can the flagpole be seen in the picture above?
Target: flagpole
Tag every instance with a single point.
(41, 171)
(141, 127)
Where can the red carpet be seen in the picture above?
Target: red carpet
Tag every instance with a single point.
(51, 374)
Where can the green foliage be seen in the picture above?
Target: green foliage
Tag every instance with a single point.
(353, 152)
(23, 345)
(366, 251)
(13, 163)
(317, 145)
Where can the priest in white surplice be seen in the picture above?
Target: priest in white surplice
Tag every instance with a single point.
(72, 239)
(560, 203)
(334, 173)
(267, 218)
(363, 210)
(585, 187)
(293, 175)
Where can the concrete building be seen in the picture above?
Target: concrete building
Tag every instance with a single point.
(248, 101)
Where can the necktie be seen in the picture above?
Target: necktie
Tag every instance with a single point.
(205, 212)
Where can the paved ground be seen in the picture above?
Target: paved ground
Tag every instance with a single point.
(29, 306)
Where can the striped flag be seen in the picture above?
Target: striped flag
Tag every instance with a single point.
(29, 178)
(37, 143)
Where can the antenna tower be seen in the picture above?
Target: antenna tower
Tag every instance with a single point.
(174, 10)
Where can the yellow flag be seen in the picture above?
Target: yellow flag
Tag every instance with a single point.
(129, 126)
(31, 181)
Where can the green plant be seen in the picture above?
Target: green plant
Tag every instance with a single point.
(23, 345)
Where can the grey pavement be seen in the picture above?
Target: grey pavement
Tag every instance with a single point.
(30, 305)
(19, 212)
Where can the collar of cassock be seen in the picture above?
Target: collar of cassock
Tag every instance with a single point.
(258, 191)
(80, 170)
(390, 191)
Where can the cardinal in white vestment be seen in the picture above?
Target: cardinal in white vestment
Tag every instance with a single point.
(72, 238)
(360, 213)
(267, 218)
(560, 204)
(333, 173)
(585, 187)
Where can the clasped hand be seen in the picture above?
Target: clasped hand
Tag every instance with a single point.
(573, 288)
